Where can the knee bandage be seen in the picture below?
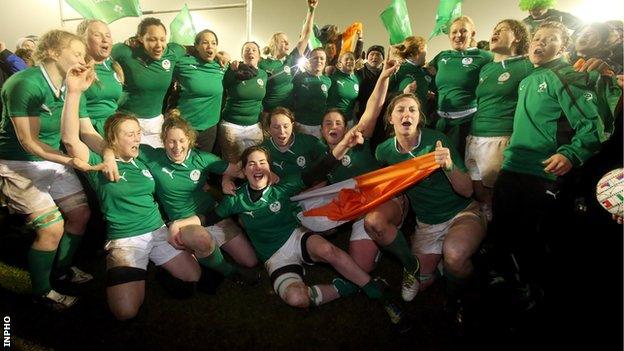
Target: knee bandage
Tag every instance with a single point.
(46, 219)
(72, 202)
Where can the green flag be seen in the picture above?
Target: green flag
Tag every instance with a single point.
(182, 28)
(106, 10)
(314, 42)
(448, 10)
(396, 20)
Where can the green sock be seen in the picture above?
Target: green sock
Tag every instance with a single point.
(40, 263)
(65, 252)
(399, 248)
(216, 261)
(344, 287)
(455, 285)
(373, 289)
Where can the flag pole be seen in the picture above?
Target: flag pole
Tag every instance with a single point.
(61, 13)
(249, 10)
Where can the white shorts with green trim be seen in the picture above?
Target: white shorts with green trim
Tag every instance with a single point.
(137, 251)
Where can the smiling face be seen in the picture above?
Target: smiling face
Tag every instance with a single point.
(405, 116)
(461, 34)
(333, 128)
(374, 59)
(99, 41)
(281, 45)
(128, 139)
(177, 144)
(503, 39)
(281, 129)
(207, 47)
(546, 46)
(154, 41)
(257, 169)
(69, 56)
(347, 63)
(317, 62)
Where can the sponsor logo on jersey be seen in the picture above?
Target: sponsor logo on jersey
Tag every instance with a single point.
(542, 87)
(166, 64)
(301, 161)
(341, 83)
(46, 108)
(466, 61)
(504, 77)
(280, 165)
(324, 88)
(275, 207)
(147, 174)
(260, 82)
(249, 213)
(588, 96)
(444, 60)
(166, 170)
(195, 175)
(193, 66)
(123, 176)
(346, 161)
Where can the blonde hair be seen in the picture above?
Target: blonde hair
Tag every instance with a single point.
(173, 119)
(83, 31)
(410, 47)
(271, 49)
(111, 126)
(465, 20)
(54, 41)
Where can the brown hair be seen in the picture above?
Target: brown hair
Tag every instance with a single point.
(146, 23)
(565, 37)
(335, 110)
(410, 47)
(173, 119)
(199, 36)
(271, 48)
(250, 42)
(521, 33)
(278, 111)
(111, 126)
(395, 100)
(248, 151)
(26, 55)
(54, 41)
(470, 22)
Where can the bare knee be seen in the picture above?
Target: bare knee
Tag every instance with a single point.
(297, 295)
(455, 257)
(327, 252)
(203, 244)
(124, 312)
(375, 224)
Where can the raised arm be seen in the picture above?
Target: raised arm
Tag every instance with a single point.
(375, 102)
(307, 28)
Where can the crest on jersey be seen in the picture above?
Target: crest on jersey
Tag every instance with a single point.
(301, 161)
(504, 77)
(346, 161)
(324, 88)
(260, 82)
(356, 87)
(467, 60)
(195, 175)
(588, 96)
(287, 69)
(542, 87)
(166, 64)
(275, 207)
(147, 174)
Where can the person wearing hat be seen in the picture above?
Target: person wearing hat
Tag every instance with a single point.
(368, 76)
(28, 42)
(541, 11)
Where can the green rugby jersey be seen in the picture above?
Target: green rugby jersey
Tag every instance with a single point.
(543, 100)
(343, 92)
(128, 205)
(103, 95)
(279, 85)
(310, 97)
(302, 153)
(146, 80)
(30, 93)
(270, 221)
(433, 198)
(201, 91)
(497, 96)
(407, 73)
(244, 98)
(179, 186)
(457, 77)
(357, 161)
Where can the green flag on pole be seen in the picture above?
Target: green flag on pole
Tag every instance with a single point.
(182, 28)
(447, 11)
(314, 41)
(396, 20)
(106, 10)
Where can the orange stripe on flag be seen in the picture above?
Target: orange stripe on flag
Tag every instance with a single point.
(375, 188)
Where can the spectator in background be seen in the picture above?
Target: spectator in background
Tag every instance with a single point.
(541, 11)
(28, 42)
(26, 56)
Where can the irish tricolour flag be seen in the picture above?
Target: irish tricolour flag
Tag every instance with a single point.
(333, 205)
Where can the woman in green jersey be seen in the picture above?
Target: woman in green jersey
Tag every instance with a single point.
(245, 88)
(280, 63)
(37, 178)
(199, 76)
(345, 87)
(413, 51)
(148, 66)
(497, 96)
(103, 95)
(456, 77)
(449, 223)
(135, 230)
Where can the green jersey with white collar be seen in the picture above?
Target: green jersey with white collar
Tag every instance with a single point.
(303, 151)
(310, 97)
(244, 98)
(343, 92)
